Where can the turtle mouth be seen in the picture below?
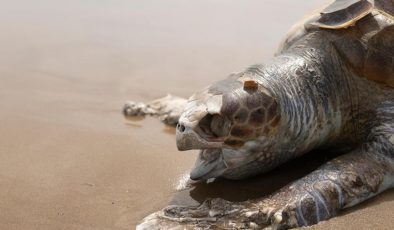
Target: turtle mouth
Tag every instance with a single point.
(209, 164)
(213, 127)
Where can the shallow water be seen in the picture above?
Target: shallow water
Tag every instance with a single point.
(68, 158)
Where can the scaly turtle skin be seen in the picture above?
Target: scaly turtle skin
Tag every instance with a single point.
(330, 85)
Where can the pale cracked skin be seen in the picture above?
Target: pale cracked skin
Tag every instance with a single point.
(312, 95)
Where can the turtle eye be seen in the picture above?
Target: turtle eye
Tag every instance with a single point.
(214, 126)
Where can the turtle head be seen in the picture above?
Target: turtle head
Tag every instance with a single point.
(228, 121)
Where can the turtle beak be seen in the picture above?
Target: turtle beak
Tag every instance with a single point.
(188, 137)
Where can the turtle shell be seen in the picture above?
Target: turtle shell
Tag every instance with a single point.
(343, 13)
(368, 45)
(385, 6)
(379, 57)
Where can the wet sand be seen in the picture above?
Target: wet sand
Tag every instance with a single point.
(68, 158)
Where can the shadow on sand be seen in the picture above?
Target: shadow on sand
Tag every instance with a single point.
(256, 187)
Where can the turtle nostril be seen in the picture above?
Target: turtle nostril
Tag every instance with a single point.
(181, 128)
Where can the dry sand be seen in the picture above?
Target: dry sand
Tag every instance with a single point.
(69, 160)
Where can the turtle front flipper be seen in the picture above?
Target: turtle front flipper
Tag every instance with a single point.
(168, 108)
(342, 182)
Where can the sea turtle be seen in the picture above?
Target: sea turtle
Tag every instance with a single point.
(331, 84)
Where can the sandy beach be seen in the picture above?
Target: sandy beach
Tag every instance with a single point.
(68, 157)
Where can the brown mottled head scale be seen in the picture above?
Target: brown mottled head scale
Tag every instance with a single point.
(230, 117)
(250, 111)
